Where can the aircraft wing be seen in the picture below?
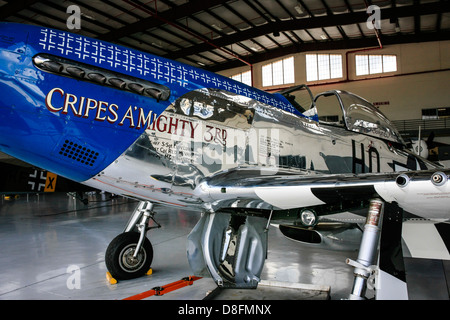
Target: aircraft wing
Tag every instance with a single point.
(422, 193)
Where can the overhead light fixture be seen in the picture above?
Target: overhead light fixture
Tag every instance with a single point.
(156, 45)
(201, 63)
(299, 9)
(216, 27)
(323, 37)
(254, 49)
(88, 16)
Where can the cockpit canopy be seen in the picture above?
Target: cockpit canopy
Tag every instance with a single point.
(343, 109)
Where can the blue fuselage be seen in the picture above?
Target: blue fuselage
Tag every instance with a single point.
(68, 103)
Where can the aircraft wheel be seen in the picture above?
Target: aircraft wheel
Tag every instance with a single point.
(119, 256)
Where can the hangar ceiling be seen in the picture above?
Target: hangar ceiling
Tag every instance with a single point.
(222, 34)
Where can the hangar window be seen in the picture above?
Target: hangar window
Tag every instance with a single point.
(375, 63)
(278, 72)
(244, 77)
(323, 66)
(435, 113)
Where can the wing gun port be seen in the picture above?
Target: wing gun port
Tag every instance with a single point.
(439, 178)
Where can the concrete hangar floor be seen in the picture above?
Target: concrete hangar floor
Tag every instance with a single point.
(49, 240)
(53, 246)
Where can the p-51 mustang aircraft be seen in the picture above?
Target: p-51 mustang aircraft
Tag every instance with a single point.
(162, 132)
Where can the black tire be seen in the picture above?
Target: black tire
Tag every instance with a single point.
(118, 256)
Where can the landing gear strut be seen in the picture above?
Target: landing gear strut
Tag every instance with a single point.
(130, 254)
(364, 266)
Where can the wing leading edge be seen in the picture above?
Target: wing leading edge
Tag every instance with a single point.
(423, 193)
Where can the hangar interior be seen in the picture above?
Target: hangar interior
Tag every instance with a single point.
(402, 67)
